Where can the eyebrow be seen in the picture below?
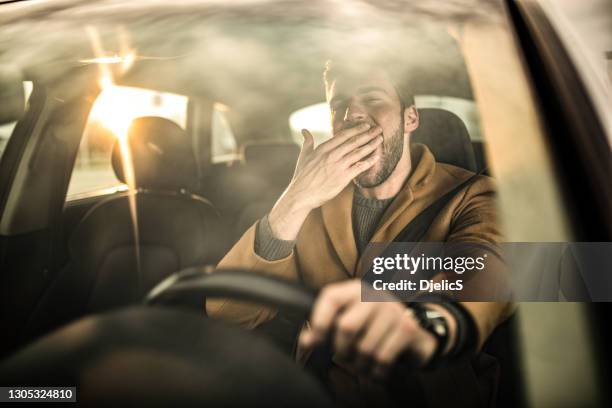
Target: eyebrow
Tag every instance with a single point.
(360, 91)
(368, 89)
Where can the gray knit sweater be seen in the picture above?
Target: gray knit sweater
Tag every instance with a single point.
(366, 214)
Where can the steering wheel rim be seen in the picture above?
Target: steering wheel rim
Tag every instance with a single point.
(192, 286)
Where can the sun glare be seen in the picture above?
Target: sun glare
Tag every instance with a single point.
(315, 118)
(117, 106)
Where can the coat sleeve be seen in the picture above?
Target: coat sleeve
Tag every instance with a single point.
(243, 256)
(475, 220)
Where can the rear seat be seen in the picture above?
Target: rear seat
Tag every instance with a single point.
(268, 167)
(246, 190)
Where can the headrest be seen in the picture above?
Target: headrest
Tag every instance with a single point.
(446, 136)
(273, 160)
(162, 155)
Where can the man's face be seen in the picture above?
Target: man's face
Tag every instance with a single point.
(374, 100)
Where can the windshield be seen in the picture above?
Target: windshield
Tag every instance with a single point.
(171, 131)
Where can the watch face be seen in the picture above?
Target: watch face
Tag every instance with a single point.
(437, 323)
(440, 329)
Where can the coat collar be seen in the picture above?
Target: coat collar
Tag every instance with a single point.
(423, 169)
(337, 213)
(338, 221)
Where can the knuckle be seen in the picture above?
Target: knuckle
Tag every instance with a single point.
(409, 322)
(383, 358)
(327, 293)
(347, 327)
(408, 325)
(366, 349)
(363, 138)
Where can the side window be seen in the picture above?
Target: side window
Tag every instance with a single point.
(6, 130)
(110, 116)
(316, 118)
(224, 146)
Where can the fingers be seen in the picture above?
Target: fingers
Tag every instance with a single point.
(380, 327)
(388, 351)
(342, 136)
(361, 166)
(402, 341)
(361, 152)
(372, 337)
(350, 326)
(330, 302)
(355, 142)
(308, 145)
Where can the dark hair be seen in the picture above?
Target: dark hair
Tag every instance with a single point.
(400, 80)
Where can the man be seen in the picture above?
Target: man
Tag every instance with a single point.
(365, 185)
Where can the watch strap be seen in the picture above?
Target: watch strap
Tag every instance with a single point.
(436, 324)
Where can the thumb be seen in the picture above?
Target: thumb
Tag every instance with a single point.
(308, 145)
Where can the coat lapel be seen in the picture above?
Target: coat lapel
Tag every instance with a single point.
(390, 226)
(337, 218)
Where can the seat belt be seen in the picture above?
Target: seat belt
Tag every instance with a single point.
(416, 229)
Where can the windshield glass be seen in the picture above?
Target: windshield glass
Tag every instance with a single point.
(180, 126)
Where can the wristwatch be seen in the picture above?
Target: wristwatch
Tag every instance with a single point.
(435, 323)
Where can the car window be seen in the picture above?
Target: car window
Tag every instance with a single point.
(6, 130)
(223, 141)
(109, 118)
(316, 117)
(585, 29)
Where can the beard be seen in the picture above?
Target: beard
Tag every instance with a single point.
(391, 155)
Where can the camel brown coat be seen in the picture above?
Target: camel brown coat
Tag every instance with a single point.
(326, 252)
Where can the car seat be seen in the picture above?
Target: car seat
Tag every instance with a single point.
(127, 243)
(446, 136)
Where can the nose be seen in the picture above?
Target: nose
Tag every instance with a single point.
(354, 113)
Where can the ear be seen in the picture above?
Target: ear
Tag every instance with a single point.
(411, 119)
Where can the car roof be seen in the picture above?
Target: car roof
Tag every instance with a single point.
(237, 53)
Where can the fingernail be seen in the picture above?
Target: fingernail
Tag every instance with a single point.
(366, 125)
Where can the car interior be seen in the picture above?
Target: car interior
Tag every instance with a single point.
(185, 220)
(174, 204)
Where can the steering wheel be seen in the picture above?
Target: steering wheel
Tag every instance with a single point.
(191, 287)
